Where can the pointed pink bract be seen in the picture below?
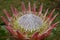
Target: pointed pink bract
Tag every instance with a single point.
(23, 7)
(34, 8)
(45, 14)
(50, 15)
(40, 9)
(6, 13)
(14, 10)
(35, 34)
(45, 34)
(4, 19)
(29, 7)
(11, 30)
(20, 36)
(53, 19)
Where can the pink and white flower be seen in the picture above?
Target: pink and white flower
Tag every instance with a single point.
(29, 24)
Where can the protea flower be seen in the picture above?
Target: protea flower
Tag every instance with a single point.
(29, 24)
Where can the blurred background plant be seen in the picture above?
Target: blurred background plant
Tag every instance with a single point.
(51, 4)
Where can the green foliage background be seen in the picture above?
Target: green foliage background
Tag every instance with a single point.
(51, 4)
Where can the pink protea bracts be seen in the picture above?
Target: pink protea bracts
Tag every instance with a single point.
(29, 24)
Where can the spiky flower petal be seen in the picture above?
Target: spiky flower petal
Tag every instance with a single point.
(31, 25)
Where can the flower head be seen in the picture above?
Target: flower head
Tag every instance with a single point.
(29, 24)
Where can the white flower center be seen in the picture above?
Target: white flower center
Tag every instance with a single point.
(30, 22)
